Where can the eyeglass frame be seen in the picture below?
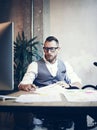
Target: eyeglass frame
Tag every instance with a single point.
(51, 49)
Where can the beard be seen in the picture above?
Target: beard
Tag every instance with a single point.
(50, 58)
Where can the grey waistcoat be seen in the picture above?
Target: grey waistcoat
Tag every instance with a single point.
(45, 78)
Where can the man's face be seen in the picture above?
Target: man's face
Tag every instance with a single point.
(51, 50)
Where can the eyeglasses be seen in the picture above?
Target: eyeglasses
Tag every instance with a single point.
(51, 49)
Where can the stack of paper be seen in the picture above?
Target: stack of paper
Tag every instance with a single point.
(28, 98)
(80, 95)
(50, 93)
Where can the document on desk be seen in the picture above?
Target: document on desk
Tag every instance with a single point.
(55, 88)
(29, 98)
(51, 93)
(80, 95)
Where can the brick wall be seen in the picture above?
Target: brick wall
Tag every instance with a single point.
(18, 11)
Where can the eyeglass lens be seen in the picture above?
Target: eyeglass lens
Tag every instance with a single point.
(52, 49)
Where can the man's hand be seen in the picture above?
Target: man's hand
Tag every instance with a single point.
(77, 84)
(63, 84)
(27, 87)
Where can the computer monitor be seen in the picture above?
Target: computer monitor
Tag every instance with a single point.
(6, 56)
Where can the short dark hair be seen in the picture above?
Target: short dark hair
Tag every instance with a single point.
(52, 38)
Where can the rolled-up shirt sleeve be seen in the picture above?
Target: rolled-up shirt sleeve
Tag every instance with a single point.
(30, 74)
(71, 74)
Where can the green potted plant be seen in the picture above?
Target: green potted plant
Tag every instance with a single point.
(25, 51)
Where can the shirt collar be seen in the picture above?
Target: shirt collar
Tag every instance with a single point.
(49, 62)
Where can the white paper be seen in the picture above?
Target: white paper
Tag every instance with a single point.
(50, 93)
(28, 98)
(80, 95)
(50, 89)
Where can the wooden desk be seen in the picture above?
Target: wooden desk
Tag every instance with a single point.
(53, 109)
(11, 105)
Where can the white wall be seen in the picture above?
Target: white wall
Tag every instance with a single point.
(74, 23)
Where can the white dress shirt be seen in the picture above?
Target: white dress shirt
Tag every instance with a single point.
(32, 71)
